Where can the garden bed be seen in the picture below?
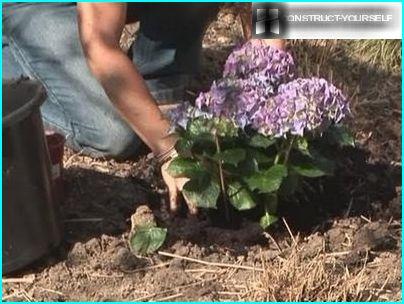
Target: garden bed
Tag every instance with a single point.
(343, 244)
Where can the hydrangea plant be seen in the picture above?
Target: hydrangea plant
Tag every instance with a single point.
(258, 133)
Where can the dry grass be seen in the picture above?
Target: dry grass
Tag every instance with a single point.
(381, 53)
(322, 278)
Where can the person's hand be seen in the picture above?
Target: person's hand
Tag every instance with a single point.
(175, 186)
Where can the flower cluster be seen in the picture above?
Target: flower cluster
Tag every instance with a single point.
(252, 74)
(302, 104)
(234, 99)
(258, 91)
(180, 115)
(255, 60)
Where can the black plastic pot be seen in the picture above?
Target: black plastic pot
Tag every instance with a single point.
(30, 214)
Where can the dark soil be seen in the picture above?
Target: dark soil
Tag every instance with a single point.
(353, 218)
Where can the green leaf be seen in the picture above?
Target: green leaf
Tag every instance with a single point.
(259, 156)
(204, 192)
(267, 220)
(269, 180)
(199, 126)
(314, 168)
(207, 127)
(248, 166)
(340, 135)
(261, 141)
(231, 156)
(181, 166)
(303, 146)
(225, 127)
(147, 240)
(240, 197)
(184, 146)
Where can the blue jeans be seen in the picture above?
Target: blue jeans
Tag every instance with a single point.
(41, 41)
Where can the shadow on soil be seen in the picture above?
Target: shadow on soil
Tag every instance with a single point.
(99, 204)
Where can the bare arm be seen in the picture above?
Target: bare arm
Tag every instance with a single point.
(100, 27)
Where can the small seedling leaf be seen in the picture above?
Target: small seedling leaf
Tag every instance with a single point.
(147, 240)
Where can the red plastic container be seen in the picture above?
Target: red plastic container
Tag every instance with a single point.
(56, 144)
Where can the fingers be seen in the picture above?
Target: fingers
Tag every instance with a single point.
(191, 206)
(175, 185)
(172, 188)
(173, 196)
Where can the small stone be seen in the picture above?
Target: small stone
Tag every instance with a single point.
(177, 264)
(124, 259)
(182, 250)
(373, 236)
(314, 246)
(93, 245)
(95, 265)
(78, 250)
(77, 254)
(336, 237)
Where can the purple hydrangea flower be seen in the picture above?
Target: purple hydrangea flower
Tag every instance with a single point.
(234, 99)
(256, 60)
(252, 74)
(180, 115)
(303, 104)
(257, 91)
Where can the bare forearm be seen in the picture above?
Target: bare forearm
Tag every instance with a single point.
(127, 90)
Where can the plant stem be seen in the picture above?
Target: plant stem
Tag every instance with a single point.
(272, 205)
(285, 161)
(278, 155)
(276, 160)
(222, 184)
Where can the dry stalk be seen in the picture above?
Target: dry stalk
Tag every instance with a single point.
(30, 279)
(171, 255)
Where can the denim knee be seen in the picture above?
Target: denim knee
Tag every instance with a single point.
(111, 140)
(120, 146)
